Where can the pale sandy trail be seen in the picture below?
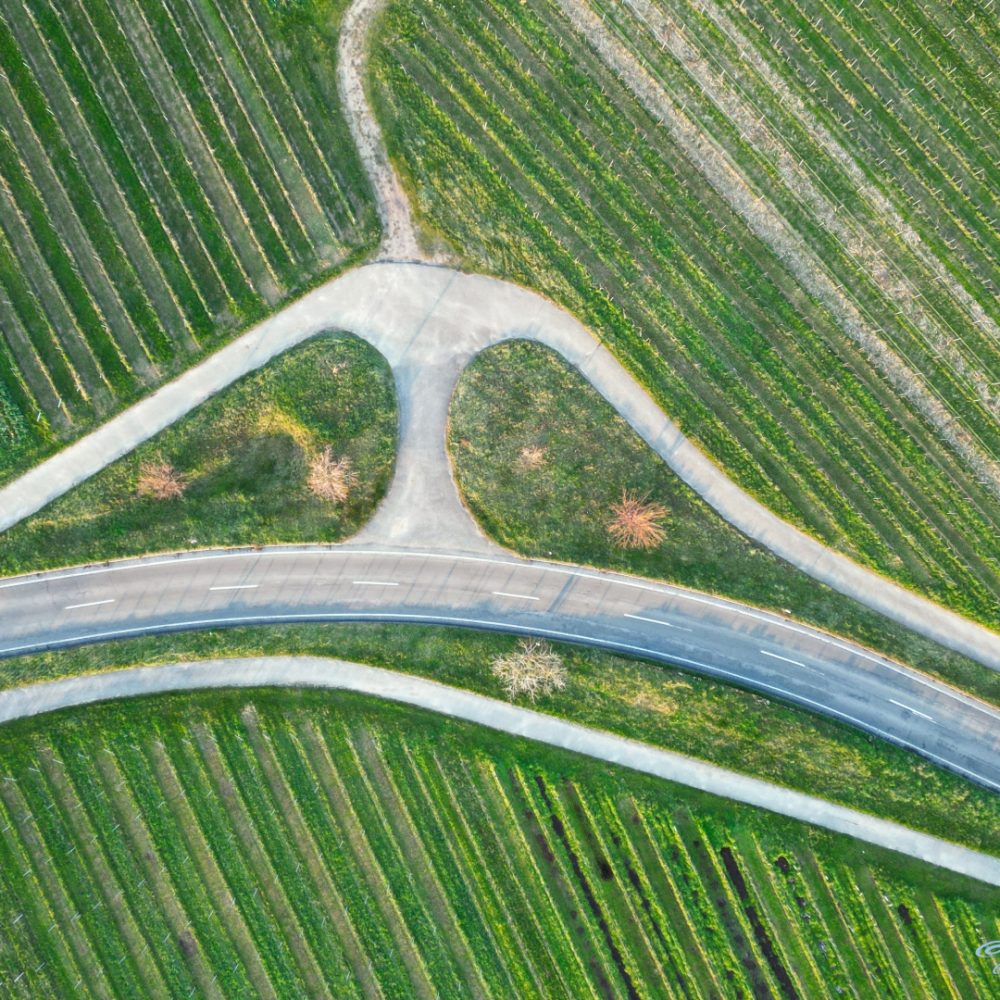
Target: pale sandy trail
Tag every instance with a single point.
(288, 671)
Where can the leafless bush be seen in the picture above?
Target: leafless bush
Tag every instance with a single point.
(331, 480)
(533, 670)
(160, 480)
(636, 522)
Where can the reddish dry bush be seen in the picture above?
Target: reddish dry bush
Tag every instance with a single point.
(331, 480)
(533, 669)
(636, 522)
(160, 480)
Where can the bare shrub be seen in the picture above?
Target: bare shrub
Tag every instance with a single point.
(532, 457)
(636, 522)
(533, 670)
(331, 480)
(160, 480)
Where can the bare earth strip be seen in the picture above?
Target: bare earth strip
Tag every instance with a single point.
(287, 671)
(399, 241)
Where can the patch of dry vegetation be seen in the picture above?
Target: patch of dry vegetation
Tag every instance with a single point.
(637, 522)
(331, 479)
(532, 456)
(534, 669)
(160, 480)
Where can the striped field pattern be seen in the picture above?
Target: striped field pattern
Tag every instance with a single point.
(784, 221)
(311, 846)
(169, 172)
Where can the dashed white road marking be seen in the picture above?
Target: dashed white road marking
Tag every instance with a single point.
(516, 597)
(237, 586)
(374, 583)
(89, 604)
(774, 656)
(910, 708)
(656, 621)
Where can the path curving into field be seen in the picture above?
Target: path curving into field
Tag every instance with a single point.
(317, 672)
(429, 322)
(399, 241)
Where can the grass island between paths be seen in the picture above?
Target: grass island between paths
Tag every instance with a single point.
(541, 459)
(243, 461)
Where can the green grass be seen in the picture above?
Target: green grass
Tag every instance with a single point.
(520, 395)
(172, 172)
(533, 160)
(244, 456)
(306, 843)
(663, 706)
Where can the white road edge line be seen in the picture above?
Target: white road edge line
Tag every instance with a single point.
(661, 588)
(237, 586)
(89, 604)
(517, 597)
(910, 708)
(656, 621)
(775, 656)
(519, 630)
(374, 583)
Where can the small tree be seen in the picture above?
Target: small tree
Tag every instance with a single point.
(331, 480)
(533, 669)
(636, 522)
(160, 480)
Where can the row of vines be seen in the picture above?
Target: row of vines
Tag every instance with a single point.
(270, 849)
(168, 173)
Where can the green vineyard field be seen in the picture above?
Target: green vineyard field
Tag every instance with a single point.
(169, 173)
(784, 224)
(305, 845)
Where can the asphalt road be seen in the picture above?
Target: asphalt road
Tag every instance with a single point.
(756, 649)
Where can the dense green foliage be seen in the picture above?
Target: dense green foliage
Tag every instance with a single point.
(244, 459)
(663, 706)
(170, 173)
(521, 396)
(534, 160)
(294, 845)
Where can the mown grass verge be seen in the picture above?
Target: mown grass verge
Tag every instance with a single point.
(651, 702)
(520, 395)
(244, 459)
(307, 843)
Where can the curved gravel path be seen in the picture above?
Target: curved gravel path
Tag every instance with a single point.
(287, 671)
(429, 322)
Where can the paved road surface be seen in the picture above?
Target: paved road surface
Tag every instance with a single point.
(429, 322)
(760, 650)
(328, 673)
